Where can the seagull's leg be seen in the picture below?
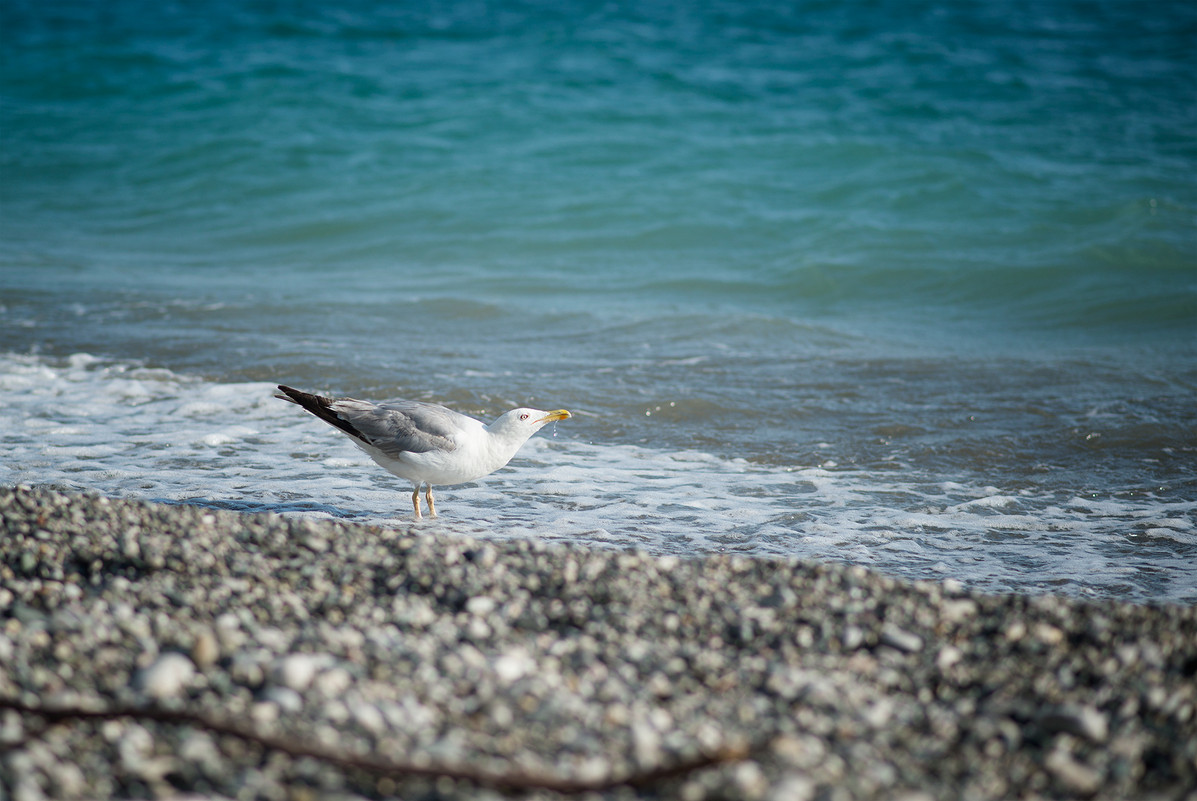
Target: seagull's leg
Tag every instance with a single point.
(415, 501)
(428, 496)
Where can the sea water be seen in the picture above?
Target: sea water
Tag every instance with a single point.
(907, 285)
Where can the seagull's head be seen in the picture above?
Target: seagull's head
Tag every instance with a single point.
(523, 423)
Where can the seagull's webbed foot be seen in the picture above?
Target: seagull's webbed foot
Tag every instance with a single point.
(428, 497)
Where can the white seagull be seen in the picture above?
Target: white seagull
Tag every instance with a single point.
(426, 443)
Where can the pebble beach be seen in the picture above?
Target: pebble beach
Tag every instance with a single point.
(179, 652)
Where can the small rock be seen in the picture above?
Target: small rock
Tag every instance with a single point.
(477, 629)
(853, 637)
(948, 657)
(206, 650)
(368, 716)
(480, 605)
(513, 665)
(953, 586)
(286, 699)
(879, 713)
(296, 671)
(958, 610)
(750, 781)
(130, 547)
(136, 750)
(308, 534)
(793, 787)
(264, 712)
(901, 639)
(246, 669)
(1072, 776)
(333, 682)
(1082, 721)
(197, 748)
(166, 677)
(1048, 635)
(68, 780)
(786, 682)
(646, 742)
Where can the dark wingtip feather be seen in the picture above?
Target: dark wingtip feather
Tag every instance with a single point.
(319, 406)
(291, 394)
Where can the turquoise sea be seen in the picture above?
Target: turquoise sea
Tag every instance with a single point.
(910, 285)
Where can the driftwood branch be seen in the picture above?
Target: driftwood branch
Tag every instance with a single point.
(508, 781)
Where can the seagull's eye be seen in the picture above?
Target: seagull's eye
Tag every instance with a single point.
(523, 416)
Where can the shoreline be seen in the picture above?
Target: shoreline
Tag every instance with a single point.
(555, 660)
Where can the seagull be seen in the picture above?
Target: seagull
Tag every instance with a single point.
(423, 442)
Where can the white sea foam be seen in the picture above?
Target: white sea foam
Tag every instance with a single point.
(85, 424)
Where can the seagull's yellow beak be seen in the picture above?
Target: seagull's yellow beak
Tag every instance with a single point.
(553, 417)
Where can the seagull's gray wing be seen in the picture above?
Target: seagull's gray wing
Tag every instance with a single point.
(400, 426)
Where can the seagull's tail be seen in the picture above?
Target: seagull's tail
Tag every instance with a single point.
(319, 406)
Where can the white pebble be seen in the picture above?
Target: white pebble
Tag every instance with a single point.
(333, 682)
(901, 639)
(480, 605)
(367, 716)
(793, 787)
(286, 699)
(948, 656)
(296, 671)
(514, 665)
(166, 676)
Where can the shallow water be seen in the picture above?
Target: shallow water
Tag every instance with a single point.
(897, 285)
(144, 432)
